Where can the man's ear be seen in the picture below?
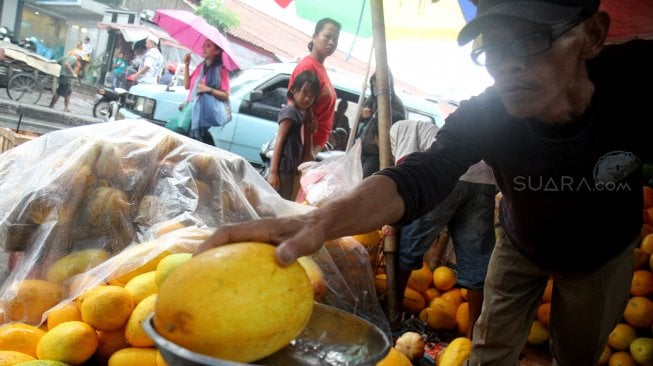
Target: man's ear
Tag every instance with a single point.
(596, 30)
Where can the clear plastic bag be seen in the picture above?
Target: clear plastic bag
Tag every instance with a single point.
(130, 192)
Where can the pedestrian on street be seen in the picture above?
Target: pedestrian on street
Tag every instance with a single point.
(150, 66)
(70, 67)
(567, 157)
(119, 65)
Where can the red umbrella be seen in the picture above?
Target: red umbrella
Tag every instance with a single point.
(191, 31)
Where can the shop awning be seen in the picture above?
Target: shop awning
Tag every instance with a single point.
(135, 32)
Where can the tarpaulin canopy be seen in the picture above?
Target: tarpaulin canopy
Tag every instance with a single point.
(135, 33)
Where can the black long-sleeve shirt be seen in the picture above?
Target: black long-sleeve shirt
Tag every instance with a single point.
(572, 194)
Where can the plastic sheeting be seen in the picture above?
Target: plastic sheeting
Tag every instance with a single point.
(137, 191)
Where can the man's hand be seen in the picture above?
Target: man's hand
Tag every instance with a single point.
(294, 236)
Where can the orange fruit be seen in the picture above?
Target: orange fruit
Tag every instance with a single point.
(605, 355)
(142, 285)
(315, 274)
(621, 336)
(463, 293)
(430, 294)
(133, 356)
(548, 290)
(20, 337)
(110, 342)
(454, 295)
(31, 299)
(621, 358)
(462, 318)
(107, 307)
(647, 244)
(648, 197)
(369, 240)
(70, 342)
(445, 305)
(641, 257)
(444, 278)
(394, 358)
(642, 283)
(438, 318)
(639, 312)
(64, 313)
(421, 279)
(413, 301)
(234, 302)
(544, 313)
(381, 284)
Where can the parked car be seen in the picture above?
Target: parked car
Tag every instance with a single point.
(256, 96)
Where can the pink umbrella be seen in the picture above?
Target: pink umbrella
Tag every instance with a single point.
(191, 31)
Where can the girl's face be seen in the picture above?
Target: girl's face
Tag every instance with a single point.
(304, 98)
(210, 50)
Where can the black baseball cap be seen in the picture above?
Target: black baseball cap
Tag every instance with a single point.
(538, 11)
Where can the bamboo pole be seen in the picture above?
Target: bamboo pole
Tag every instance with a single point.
(385, 155)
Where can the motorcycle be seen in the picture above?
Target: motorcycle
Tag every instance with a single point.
(330, 150)
(108, 101)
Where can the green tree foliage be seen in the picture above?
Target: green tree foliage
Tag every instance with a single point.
(216, 14)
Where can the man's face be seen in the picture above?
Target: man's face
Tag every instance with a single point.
(529, 86)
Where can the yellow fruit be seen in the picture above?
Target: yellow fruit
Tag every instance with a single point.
(421, 279)
(641, 349)
(437, 318)
(369, 240)
(621, 358)
(110, 342)
(64, 313)
(316, 276)
(455, 353)
(32, 298)
(169, 264)
(107, 307)
(642, 283)
(605, 355)
(10, 358)
(444, 278)
(133, 356)
(463, 294)
(621, 336)
(394, 358)
(134, 333)
(538, 334)
(42, 363)
(234, 302)
(142, 286)
(20, 337)
(75, 263)
(71, 342)
(639, 312)
(135, 260)
(160, 361)
(462, 318)
(647, 244)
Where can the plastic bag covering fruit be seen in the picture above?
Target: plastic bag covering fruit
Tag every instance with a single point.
(234, 302)
(178, 190)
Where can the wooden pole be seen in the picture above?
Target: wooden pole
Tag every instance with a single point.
(385, 155)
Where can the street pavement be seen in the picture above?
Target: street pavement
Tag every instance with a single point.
(41, 118)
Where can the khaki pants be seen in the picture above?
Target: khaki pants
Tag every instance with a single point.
(585, 307)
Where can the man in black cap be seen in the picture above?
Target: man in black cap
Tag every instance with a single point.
(565, 130)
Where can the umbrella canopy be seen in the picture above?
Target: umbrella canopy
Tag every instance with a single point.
(191, 31)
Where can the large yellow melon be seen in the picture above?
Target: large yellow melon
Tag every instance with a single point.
(234, 302)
